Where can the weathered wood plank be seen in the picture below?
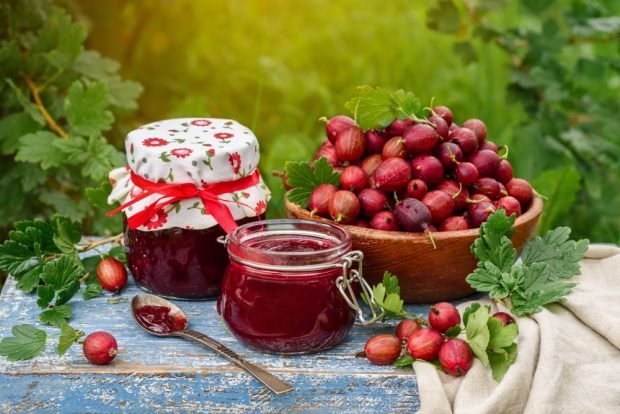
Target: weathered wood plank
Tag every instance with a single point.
(171, 374)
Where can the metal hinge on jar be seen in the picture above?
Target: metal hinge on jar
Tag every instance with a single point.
(351, 275)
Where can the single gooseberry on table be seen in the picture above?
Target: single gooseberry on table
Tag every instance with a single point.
(100, 348)
(112, 274)
(383, 349)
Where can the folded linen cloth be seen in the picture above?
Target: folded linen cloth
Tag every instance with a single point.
(568, 355)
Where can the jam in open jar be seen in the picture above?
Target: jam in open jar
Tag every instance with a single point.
(279, 293)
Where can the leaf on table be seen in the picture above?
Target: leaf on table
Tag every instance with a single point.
(560, 186)
(62, 281)
(67, 233)
(469, 310)
(45, 295)
(538, 289)
(305, 178)
(56, 316)
(501, 359)
(558, 252)
(30, 279)
(478, 333)
(404, 361)
(390, 282)
(14, 257)
(92, 290)
(501, 336)
(86, 108)
(68, 336)
(27, 342)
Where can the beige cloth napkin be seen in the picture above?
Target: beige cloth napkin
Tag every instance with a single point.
(568, 356)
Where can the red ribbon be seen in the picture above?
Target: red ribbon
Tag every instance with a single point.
(171, 193)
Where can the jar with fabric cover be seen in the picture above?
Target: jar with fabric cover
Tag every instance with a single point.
(187, 182)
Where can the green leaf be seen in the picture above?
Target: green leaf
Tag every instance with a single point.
(501, 359)
(305, 178)
(60, 39)
(27, 342)
(91, 64)
(14, 126)
(45, 295)
(86, 108)
(557, 251)
(469, 310)
(404, 361)
(501, 336)
(119, 253)
(30, 279)
(560, 186)
(124, 93)
(485, 278)
(537, 6)
(89, 264)
(56, 316)
(494, 244)
(478, 333)
(453, 332)
(62, 277)
(68, 337)
(14, 257)
(102, 157)
(92, 290)
(443, 17)
(67, 233)
(38, 148)
(98, 196)
(390, 282)
(378, 107)
(26, 104)
(63, 204)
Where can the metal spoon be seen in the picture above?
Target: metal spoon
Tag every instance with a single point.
(270, 381)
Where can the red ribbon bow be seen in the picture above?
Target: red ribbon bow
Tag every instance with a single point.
(171, 193)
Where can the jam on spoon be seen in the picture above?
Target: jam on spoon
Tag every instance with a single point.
(158, 319)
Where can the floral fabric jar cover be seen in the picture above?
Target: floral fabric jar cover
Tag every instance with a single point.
(201, 151)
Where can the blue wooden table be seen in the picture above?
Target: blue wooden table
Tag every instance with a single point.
(154, 374)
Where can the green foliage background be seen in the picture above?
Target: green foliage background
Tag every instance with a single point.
(543, 75)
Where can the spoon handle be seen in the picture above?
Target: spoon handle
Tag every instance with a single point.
(269, 380)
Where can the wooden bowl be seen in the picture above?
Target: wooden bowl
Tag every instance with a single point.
(426, 275)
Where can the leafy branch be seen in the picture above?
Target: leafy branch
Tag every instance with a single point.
(37, 99)
(544, 276)
(44, 258)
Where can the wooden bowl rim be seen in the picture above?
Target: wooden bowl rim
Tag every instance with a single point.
(531, 214)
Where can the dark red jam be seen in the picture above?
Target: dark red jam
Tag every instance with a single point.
(285, 310)
(180, 263)
(158, 319)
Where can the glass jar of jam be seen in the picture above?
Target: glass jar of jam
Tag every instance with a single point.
(289, 285)
(188, 181)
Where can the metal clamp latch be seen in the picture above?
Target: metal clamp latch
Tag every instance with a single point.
(351, 275)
